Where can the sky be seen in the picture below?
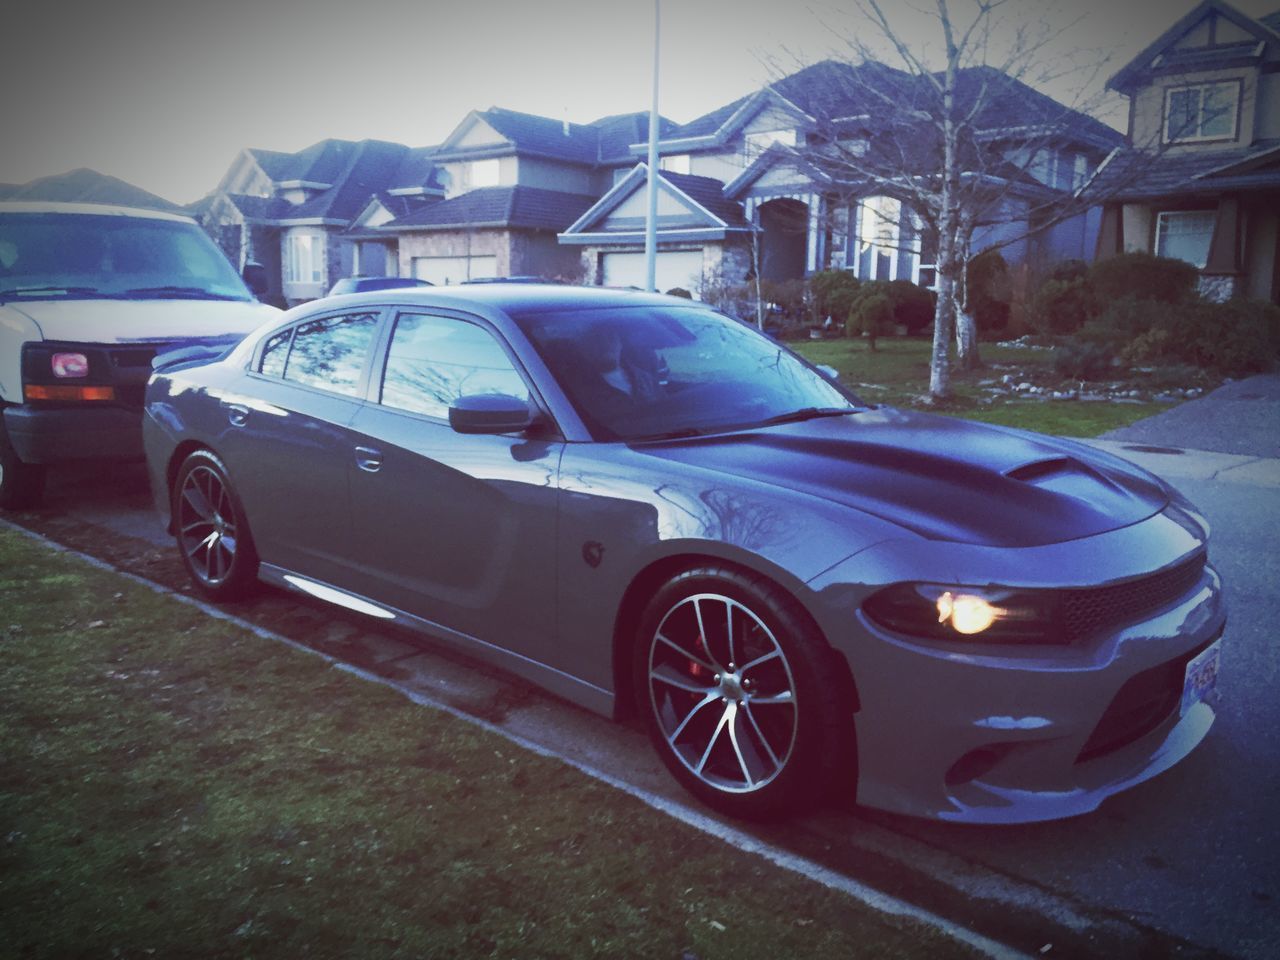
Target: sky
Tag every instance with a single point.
(165, 93)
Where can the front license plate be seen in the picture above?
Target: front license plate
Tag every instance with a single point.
(1201, 676)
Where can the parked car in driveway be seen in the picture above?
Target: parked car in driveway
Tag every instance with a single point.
(649, 508)
(88, 294)
(365, 284)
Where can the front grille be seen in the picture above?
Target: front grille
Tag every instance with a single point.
(133, 358)
(1087, 611)
(1141, 705)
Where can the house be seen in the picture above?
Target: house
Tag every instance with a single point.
(512, 182)
(1199, 178)
(86, 186)
(314, 216)
(770, 156)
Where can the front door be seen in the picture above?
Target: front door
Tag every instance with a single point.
(456, 529)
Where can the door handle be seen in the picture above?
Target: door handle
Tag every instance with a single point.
(237, 414)
(368, 459)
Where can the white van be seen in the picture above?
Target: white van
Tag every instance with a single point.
(89, 294)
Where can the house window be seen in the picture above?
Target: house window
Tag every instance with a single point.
(1185, 235)
(675, 163)
(1204, 112)
(480, 173)
(304, 258)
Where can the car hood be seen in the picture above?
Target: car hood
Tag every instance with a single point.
(133, 321)
(939, 477)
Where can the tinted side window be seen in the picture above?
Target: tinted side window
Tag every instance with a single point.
(275, 353)
(329, 353)
(435, 360)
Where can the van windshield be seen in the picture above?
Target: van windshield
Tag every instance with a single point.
(82, 256)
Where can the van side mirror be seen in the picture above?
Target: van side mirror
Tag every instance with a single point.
(255, 278)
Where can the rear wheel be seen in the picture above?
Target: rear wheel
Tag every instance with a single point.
(743, 701)
(211, 529)
(21, 484)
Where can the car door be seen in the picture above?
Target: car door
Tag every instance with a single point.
(288, 444)
(456, 529)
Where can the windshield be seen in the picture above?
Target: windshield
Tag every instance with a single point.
(79, 256)
(635, 373)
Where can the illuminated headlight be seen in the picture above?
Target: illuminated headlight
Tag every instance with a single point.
(69, 365)
(982, 614)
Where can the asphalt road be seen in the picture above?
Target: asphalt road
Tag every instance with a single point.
(1185, 865)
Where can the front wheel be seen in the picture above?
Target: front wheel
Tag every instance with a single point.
(211, 529)
(21, 484)
(742, 700)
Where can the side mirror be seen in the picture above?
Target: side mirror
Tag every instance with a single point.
(255, 278)
(490, 413)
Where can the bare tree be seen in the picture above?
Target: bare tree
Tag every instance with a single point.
(954, 131)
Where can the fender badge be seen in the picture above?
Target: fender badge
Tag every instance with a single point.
(593, 553)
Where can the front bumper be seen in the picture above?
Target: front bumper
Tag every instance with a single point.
(64, 434)
(987, 734)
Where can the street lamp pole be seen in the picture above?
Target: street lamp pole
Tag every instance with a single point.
(651, 218)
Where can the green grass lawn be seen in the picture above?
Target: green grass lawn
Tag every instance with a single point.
(173, 786)
(897, 373)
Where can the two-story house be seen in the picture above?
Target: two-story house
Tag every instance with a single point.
(311, 217)
(769, 155)
(512, 181)
(1200, 177)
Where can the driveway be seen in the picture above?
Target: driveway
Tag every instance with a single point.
(1240, 417)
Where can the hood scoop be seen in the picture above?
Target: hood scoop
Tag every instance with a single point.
(1064, 475)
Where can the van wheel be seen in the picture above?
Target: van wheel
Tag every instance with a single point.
(21, 484)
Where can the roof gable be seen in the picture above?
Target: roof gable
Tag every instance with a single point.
(1207, 35)
(684, 202)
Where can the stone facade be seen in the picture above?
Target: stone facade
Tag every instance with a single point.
(1219, 288)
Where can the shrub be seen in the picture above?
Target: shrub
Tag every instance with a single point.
(1067, 270)
(1082, 361)
(989, 291)
(679, 292)
(1238, 337)
(1061, 306)
(912, 305)
(870, 316)
(833, 293)
(1142, 277)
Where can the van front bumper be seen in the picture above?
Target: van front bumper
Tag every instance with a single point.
(65, 434)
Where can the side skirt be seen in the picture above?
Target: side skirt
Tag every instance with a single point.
(584, 694)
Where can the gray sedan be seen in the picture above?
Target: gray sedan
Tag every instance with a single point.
(653, 510)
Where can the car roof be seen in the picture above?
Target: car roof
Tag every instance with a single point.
(518, 297)
(96, 209)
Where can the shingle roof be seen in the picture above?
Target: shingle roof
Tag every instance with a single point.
(709, 193)
(258, 208)
(1271, 20)
(528, 207)
(356, 170)
(417, 169)
(617, 133)
(543, 135)
(1135, 175)
(88, 186)
(832, 90)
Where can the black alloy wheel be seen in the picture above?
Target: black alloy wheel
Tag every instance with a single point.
(211, 530)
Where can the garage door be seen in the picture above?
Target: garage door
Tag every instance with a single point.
(674, 268)
(446, 270)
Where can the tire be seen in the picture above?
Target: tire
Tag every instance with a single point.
(21, 484)
(211, 529)
(742, 699)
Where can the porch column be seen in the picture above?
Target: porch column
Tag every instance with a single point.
(815, 233)
(1224, 248)
(1110, 233)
